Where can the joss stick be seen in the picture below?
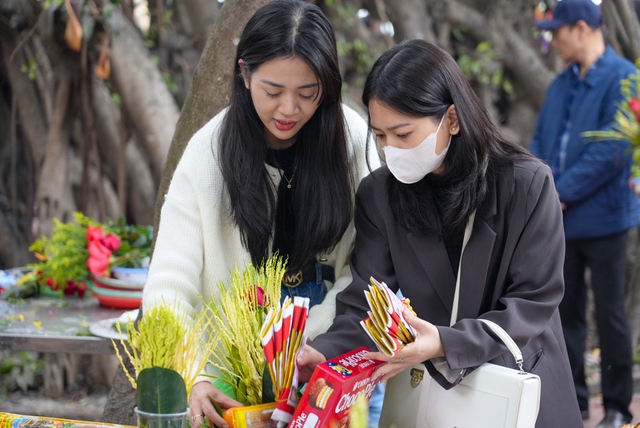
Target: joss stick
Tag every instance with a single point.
(266, 337)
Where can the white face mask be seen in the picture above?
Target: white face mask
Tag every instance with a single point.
(412, 165)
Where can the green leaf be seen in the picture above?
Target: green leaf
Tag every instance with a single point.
(161, 390)
(88, 25)
(225, 387)
(268, 396)
(484, 46)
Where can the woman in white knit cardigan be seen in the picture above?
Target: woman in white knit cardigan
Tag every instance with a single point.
(276, 170)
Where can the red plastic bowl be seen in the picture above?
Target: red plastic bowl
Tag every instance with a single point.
(119, 302)
(115, 298)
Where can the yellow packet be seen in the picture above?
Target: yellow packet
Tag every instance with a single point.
(258, 416)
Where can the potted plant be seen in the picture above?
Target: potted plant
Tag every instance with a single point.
(165, 349)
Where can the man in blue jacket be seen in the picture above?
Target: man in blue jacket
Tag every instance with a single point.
(599, 207)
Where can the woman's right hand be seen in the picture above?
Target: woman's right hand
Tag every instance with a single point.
(203, 394)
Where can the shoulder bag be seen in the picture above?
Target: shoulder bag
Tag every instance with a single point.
(491, 396)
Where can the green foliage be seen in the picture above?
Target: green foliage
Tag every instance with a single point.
(47, 4)
(88, 26)
(362, 56)
(484, 66)
(171, 85)
(161, 390)
(31, 67)
(167, 16)
(19, 370)
(356, 49)
(458, 32)
(64, 255)
(107, 16)
(117, 99)
(136, 242)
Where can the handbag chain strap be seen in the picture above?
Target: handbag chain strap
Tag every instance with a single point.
(497, 330)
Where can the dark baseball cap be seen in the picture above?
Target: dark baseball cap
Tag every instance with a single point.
(572, 11)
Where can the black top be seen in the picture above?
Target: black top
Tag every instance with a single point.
(453, 244)
(284, 234)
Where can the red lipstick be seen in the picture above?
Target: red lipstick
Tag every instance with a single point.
(284, 125)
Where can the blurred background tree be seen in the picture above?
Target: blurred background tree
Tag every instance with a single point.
(98, 98)
(91, 91)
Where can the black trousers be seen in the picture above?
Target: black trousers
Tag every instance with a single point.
(606, 259)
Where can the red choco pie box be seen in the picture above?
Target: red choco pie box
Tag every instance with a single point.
(334, 387)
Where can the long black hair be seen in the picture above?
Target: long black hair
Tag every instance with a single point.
(420, 79)
(322, 193)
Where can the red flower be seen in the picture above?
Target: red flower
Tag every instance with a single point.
(82, 289)
(71, 288)
(634, 106)
(52, 284)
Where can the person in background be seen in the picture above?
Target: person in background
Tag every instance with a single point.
(446, 164)
(276, 170)
(591, 179)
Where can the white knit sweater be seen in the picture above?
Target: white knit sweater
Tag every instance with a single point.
(198, 245)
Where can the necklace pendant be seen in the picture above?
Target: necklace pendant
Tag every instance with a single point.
(289, 186)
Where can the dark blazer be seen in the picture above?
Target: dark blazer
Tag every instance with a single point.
(511, 274)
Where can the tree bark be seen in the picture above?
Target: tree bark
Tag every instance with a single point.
(521, 60)
(108, 129)
(141, 194)
(25, 94)
(54, 198)
(207, 96)
(630, 27)
(410, 20)
(147, 102)
(209, 91)
(202, 14)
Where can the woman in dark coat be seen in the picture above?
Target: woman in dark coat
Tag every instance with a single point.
(445, 161)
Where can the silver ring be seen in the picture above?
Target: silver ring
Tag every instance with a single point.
(401, 360)
(194, 417)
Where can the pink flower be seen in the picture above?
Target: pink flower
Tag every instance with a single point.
(99, 255)
(100, 249)
(111, 241)
(94, 233)
(256, 292)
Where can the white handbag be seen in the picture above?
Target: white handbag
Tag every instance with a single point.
(491, 396)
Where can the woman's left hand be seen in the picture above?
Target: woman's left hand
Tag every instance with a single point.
(427, 345)
(307, 362)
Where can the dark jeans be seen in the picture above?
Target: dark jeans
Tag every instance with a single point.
(605, 257)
